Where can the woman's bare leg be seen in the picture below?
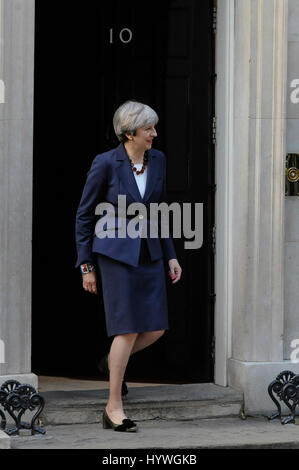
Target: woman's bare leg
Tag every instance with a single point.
(121, 348)
(145, 339)
(118, 358)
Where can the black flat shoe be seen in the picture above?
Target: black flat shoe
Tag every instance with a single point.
(104, 369)
(127, 425)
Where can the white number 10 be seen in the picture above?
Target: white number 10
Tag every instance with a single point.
(121, 35)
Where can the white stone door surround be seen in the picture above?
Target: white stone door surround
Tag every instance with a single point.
(251, 87)
(250, 152)
(16, 151)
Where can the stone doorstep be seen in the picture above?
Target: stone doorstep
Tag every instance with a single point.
(187, 401)
(4, 440)
(212, 433)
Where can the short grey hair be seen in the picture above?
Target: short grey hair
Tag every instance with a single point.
(130, 116)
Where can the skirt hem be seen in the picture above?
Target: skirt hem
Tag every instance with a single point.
(143, 331)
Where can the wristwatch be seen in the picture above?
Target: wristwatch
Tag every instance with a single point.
(87, 268)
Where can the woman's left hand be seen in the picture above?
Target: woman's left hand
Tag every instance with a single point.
(175, 270)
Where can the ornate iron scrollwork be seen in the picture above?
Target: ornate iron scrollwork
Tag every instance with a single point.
(276, 387)
(3, 396)
(290, 396)
(286, 389)
(16, 399)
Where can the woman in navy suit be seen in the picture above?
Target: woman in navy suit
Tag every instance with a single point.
(132, 268)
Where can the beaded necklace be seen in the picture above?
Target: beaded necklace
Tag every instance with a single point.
(145, 160)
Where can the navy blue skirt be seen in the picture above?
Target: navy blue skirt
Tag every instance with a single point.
(135, 298)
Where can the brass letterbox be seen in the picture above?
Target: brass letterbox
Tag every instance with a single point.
(292, 174)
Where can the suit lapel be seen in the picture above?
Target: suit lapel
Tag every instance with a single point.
(152, 173)
(127, 177)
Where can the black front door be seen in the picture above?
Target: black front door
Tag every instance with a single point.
(88, 60)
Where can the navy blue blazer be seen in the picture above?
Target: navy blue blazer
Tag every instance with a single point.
(111, 175)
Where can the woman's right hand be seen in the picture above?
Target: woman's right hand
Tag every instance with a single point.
(90, 282)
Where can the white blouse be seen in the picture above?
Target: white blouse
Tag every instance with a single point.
(141, 178)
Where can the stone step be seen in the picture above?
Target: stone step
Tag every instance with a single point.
(213, 433)
(187, 401)
(4, 440)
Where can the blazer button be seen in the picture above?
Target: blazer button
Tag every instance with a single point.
(140, 216)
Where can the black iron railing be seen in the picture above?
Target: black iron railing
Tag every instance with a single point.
(16, 399)
(285, 388)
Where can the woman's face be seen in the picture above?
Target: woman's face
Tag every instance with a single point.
(144, 136)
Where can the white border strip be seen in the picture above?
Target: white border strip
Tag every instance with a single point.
(2, 86)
